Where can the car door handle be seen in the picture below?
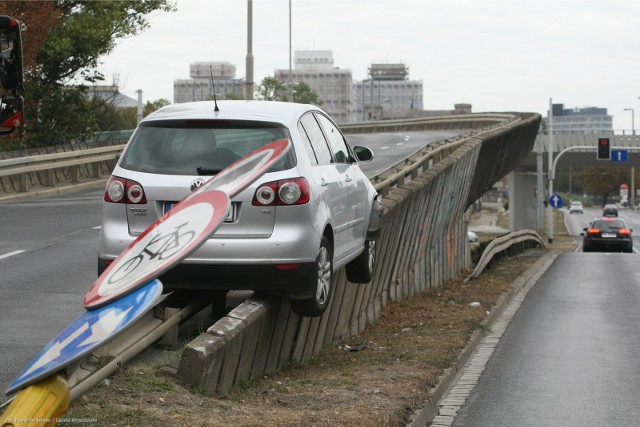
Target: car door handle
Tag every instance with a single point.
(348, 178)
(323, 182)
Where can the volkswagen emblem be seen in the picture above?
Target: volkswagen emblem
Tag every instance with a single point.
(197, 184)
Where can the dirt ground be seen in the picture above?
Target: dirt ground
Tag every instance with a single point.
(401, 357)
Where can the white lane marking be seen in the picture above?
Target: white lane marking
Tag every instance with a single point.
(384, 148)
(97, 228)
(400, 143)
(10, 254)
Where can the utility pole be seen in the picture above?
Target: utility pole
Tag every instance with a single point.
(549, 207)
(290, 72)
(249, 66)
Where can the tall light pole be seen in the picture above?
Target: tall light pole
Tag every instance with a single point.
(632, 193)
(290, 49)
(249, 66)
(633, 125)
(550, 177)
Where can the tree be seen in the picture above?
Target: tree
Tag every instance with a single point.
(605, 182)
(152, 106)
(272, 89)
(62, 45)
(303, 94)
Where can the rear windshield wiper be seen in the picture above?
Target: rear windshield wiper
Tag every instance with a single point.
(205, 171)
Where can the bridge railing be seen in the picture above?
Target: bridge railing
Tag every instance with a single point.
(25, 168)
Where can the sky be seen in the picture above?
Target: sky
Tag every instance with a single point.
(498, 55)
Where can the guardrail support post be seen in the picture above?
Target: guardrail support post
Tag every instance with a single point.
(170, 338)
(75, 173)
(50, 178)
(23, 182)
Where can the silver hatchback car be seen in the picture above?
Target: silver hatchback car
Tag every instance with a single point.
(314, 212)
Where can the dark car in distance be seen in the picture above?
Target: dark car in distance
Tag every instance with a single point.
(609, 210)
(607, 235)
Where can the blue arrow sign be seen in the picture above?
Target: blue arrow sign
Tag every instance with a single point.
(89, 331)
(619, 155)
(556, 201)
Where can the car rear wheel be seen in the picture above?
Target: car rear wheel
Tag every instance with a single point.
(319, 279)
(361, 269)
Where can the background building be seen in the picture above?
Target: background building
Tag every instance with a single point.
(387, 94)
(199, 88)
(588, 120)
(332, 84)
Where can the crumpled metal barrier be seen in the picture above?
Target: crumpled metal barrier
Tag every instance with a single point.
(512, 242)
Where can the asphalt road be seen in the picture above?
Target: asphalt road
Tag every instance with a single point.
(569, 356)
(47, 263)
(48, 255)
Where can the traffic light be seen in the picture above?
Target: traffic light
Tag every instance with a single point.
(604, 149)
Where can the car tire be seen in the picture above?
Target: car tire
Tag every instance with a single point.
(320, 280)
(361, 269)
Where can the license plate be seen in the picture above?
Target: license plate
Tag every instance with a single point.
(608, 235)
(231, 216)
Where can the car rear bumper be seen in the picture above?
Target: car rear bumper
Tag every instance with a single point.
(609, 245)
(290, 278)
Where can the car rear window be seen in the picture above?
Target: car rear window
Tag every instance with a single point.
(609, 225)
(199, 147)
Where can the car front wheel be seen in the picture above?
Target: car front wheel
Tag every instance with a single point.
(319, 279)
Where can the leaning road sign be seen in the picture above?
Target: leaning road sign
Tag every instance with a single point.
(169, 240)
(87, 332)
(239, 175)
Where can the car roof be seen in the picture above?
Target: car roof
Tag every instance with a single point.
(273, 111)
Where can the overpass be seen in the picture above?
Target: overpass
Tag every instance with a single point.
(569, 151)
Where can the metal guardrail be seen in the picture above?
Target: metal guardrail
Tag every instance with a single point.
(48, 162)
(503, 244)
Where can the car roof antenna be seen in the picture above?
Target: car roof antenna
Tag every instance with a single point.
(215, 101)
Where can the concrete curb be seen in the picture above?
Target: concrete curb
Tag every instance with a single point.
(429, 411)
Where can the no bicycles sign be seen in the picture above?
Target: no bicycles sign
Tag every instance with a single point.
(164, 244)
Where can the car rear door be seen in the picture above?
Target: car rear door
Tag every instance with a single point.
(350, 172)
(330, 178)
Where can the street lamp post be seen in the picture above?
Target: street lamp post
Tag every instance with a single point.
(632, 195)
(633, 125)
(364, 118)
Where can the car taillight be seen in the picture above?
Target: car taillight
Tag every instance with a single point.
(625, 231)
(594, 231)
(120, 190)
(284, 192)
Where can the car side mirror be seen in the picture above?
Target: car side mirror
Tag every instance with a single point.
(362, 154)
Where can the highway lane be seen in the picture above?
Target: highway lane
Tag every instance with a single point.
(52, 245)
(49, 246)
(569, 356)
